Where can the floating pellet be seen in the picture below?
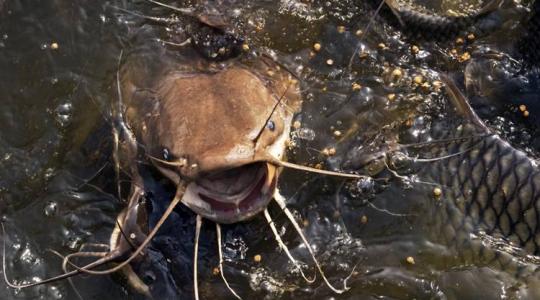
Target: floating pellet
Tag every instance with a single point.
(470, 36)
(526, 113)
(359, 32)
(459, 41)
(464, 57)
(356, 86)
(317, 47)
(341, 29)
(410, 260)
(415, 49)
(363, 219)
(215, 271)
(397, 74)
(418, 79)
(523, 107)
(437, 192)
(296, 124)
(245, 47)
(54, 46)
(381, 46)
(337, 133)
(257, 258)
(329, 61)
(391, 97)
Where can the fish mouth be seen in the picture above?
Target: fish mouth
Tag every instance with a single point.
(232, 195)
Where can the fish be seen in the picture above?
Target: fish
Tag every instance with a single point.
(479, 182)
(494, 185)
(217, 131)
(431, 26)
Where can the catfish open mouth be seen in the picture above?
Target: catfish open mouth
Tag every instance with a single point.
(232, 195)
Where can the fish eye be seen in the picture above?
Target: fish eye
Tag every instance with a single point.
(271, 125)
(166, 154)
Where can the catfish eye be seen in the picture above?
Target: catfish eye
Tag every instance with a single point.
(271, 125)
(166, 154)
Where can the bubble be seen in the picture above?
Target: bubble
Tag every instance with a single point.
(305, 134)
(55, 293)
(365, 185)
(63, 114)
(51, 209)
(74, 243)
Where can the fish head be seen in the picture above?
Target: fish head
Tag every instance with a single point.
(220, 131)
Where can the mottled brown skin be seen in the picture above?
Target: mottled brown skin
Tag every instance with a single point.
(206, 117)
(212, 120)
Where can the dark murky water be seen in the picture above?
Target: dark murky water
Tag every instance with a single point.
(58, 61)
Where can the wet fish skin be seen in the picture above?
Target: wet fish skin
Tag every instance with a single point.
(428, 26)
(491, 187)
(487, 185)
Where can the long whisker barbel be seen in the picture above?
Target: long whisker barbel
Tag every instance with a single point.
(280, 200)
(218, 234)
(284, 247)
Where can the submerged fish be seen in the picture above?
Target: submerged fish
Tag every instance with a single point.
(481, 182)
(421, 24)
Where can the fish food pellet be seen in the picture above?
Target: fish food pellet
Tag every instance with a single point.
(391, 97)
(245, 47)
(526, 113)
(359, 32)
(437, 192)
(415, 49)
(363, 219)
(329, 61)
(257, 258)
(317, 47)
(470, 37)
(459, 41)
(410, 260)
(418, 79)
(397, 74)
(54, 46)
(523, 107)
(215, 271)
(464, 57)
(341, 29)
(356, 86)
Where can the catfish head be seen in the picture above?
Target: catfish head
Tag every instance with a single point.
(221, 131)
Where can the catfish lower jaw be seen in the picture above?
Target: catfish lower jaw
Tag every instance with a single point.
(226, 208)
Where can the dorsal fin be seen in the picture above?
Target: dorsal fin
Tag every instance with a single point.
(460, 102)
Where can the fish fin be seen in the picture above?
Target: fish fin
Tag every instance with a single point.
(491, 7)
(460, 102)
(394, 7)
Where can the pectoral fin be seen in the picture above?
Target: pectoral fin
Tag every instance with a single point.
(460, 102)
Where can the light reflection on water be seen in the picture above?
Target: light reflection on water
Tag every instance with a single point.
(57, 65)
